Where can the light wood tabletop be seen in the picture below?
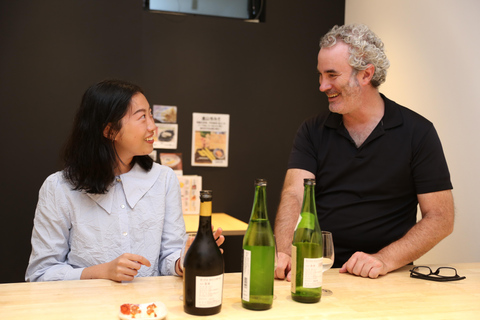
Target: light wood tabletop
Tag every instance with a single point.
(394, 296)
(231, 226)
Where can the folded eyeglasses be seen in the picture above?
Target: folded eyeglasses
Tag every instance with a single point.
(441, 274)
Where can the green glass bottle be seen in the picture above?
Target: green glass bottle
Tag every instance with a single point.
(258, 254)
(307, 251)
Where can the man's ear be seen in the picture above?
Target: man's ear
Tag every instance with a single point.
(367, 74)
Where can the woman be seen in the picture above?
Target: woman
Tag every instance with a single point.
(111, 213)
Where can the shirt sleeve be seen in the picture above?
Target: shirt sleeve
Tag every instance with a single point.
(429, 166)
(50, 237)
(303, 154)
(174, 227)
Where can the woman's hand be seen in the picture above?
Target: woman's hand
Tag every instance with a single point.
(123, 268)
(219, 238)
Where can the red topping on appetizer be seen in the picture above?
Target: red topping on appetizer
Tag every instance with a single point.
(125, 308)
(151, 309)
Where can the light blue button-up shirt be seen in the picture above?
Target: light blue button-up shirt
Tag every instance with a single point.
(141, 213)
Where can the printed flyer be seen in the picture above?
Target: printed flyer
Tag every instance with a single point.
(210, 133)
(190, 187)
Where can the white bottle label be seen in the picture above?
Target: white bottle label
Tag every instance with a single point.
(247, 258)
(208, 291)
(294, 269)
(312, 272)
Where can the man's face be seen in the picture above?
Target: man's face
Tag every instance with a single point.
(338, 80)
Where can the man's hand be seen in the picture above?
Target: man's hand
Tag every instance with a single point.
(284, 266)
(365, 265)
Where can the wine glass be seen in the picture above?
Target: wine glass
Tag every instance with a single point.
(186, 245)
(275, 264)
(328, 256)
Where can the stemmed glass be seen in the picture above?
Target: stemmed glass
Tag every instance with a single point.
(328, 256)
(186, 245)
(275, 264)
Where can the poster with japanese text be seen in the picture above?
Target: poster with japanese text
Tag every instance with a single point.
(210, 133)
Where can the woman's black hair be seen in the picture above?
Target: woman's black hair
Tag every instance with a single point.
(89, 154)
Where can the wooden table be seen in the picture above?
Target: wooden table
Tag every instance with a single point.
(394, 296)
(230, 225)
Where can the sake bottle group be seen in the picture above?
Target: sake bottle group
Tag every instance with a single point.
(204, 266)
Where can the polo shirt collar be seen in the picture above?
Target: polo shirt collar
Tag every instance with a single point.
(392, 117)
(135, 184)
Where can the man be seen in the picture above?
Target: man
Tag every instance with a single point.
(373, 161)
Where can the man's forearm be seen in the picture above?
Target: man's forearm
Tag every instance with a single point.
(287, 217)
(285, 222)
(436, 224)
(418, 241)
(289, 208)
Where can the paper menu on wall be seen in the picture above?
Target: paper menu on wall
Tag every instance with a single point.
(190, 187)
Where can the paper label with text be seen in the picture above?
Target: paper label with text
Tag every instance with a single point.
(208, 291)
(312, 272)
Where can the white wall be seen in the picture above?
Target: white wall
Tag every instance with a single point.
(434, 50)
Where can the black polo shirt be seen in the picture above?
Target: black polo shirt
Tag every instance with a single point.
(367, 196)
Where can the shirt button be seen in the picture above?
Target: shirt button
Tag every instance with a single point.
(119, 180)
(122, 206)
(125, 233)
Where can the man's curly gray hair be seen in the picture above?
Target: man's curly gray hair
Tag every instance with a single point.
(365, 47)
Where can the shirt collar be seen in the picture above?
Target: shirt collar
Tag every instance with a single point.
(135, 184)
(391, 118)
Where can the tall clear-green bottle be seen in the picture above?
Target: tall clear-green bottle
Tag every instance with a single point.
(307, 251)
(258, 254)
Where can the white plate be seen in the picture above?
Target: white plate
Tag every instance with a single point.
(160, 310)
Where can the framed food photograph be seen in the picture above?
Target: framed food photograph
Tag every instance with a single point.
(165, 114)
(172, 160)
(165, 136)
(210, 132)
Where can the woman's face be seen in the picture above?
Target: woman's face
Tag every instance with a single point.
(135, 138)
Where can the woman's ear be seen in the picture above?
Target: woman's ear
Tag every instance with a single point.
(107, 133)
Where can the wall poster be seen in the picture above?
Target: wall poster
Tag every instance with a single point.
(190, 187)
(210, 133)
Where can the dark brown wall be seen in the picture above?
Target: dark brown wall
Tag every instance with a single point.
(263, 75)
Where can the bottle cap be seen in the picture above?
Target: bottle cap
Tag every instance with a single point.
(309, 182)
(261, 182)
(206, 195)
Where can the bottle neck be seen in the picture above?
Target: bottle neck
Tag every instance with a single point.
(206, 209)
(205, 221)
(259, 210)
(309, 200)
